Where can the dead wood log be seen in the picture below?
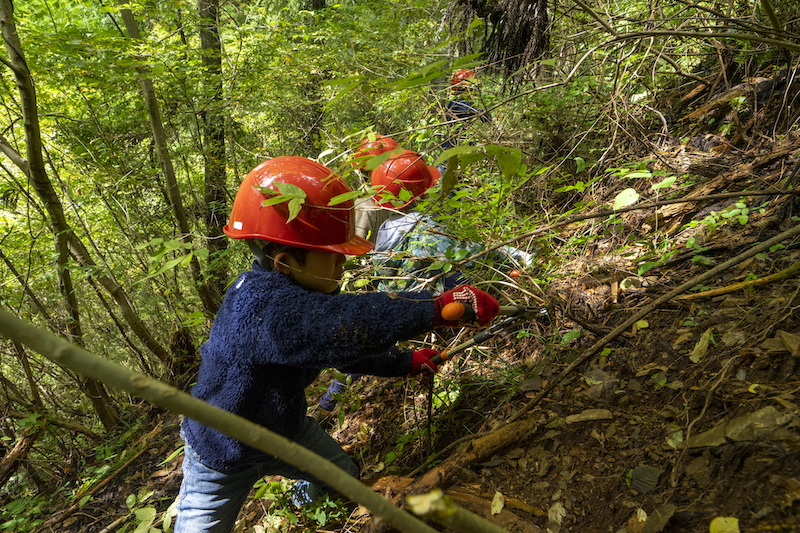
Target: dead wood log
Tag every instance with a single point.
(12, 459)
(445, 473)
(477, 450)
(755, 85)
(396, 488)
(739, 175)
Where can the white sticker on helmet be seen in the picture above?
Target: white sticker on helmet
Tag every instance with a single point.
(237, 224)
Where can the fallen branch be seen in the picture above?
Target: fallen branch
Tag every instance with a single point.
(787, 273)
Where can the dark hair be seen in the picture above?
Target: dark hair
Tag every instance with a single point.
(265, 252)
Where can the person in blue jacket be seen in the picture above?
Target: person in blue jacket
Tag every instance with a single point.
(461, 108)
(280, 324)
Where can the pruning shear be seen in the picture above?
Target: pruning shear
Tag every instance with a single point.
(515, 313)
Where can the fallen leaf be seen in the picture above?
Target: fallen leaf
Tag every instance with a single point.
(791, 341)
(590, 414)
(557, 512)
(726, 524)
(701, 347)
(658, 519)
(636, 522)
(792, 486)
(644, 478)
(498, 502)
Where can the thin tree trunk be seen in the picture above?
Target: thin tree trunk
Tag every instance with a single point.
(43, 187)
(210, 306)
(216, 211)
(77, 247)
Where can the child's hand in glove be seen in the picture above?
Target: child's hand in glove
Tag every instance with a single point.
(478, 307)
(421, 362)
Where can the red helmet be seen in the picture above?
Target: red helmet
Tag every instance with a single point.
(462, 79)
(317, 226)
(380, 145)
(404, 171)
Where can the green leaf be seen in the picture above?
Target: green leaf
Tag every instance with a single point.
(449, 178)
(627, 197)
(639, 174)
(341, 198)
(460, 254)
(458, 150)
(646, 266)
(289, 189)
(509, 159)
(295, 204)
(667, 183)
(724, 524)
(570, 336)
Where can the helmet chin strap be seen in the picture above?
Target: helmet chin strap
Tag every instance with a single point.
(258, 253)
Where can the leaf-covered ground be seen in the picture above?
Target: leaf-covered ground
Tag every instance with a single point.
(687, 418)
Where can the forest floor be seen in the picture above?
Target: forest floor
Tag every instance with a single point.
(688, 416)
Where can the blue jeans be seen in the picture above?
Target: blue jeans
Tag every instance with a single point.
(209, 501)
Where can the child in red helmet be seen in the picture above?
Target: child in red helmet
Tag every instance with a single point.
(461, 107)
(280, 324)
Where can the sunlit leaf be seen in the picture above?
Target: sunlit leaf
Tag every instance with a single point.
(625, 198)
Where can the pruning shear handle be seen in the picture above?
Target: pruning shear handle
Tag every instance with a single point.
(457, 310)
(515, 313)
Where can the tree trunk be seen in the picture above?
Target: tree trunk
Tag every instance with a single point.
(216, 211)
(210, 306)
(41, 183)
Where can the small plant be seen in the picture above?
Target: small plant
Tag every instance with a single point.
(324, 512)
(144, 515)
(22, 515)
(405, 439)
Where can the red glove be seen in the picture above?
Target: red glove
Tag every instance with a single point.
(481, 307)
(421, 362)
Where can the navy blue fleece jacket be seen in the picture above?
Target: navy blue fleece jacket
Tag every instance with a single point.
(270, 340)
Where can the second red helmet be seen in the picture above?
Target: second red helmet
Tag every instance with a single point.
(404, 172)
(462, 79)
(380, 145)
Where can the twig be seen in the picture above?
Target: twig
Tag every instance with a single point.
(674, 476)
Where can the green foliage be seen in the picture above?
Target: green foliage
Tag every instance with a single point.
(23, 514)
